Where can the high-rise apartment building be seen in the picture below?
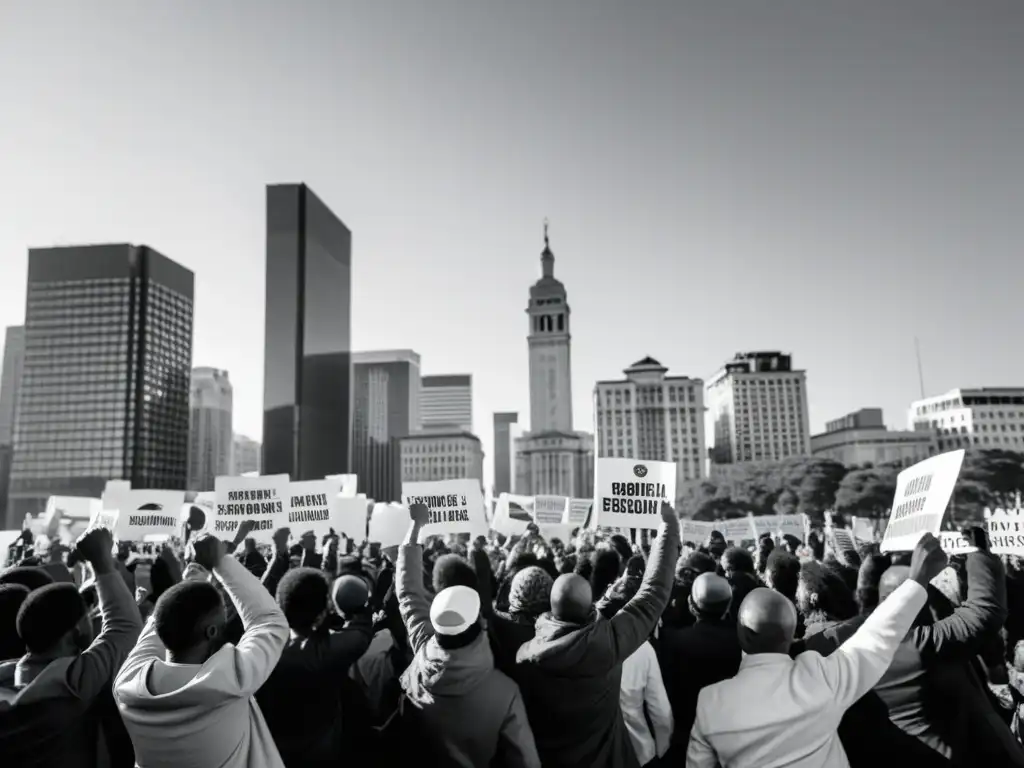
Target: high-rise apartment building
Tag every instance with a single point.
(861, 438)
(10, 380)
(307, 380)
(757, 407)
(506, 430)
(386, 408)
(552, 458)
(441, 455)
(446, 401)
(245, 455)
(654, 417)
(105, 383)
(986, 417)
(210, 435)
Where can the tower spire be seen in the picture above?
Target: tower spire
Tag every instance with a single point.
(547, 258)
(547, 245)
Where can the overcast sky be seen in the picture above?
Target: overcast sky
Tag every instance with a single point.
(824, 178)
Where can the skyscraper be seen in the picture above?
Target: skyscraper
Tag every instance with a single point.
(245, 455)
(446, 402)
(14, 356)
(210, 435)
(307, 398)
(506, 430)
(654, 417)
(386, 396)
(104, 387)
(552, 458)
(757, 407)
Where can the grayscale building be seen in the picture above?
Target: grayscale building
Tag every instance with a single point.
(506, 430)
(307, 396)
(210, 435)
(14, 356)
(446, 401)
(105, 381)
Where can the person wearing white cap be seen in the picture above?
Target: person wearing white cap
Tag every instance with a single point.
(467, 712)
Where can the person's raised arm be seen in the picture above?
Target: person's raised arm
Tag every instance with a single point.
(980, 616)
(631, 626)
(280, 564)
(412, 597)
(266, 629)
(859, 663)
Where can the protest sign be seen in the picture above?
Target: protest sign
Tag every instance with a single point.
(629, 493)
(512, 514)
(67, 509)
(456, 506)
(311, 503)
(348, 516)
(197, 513)
(349, 484)
(389, 524)
(922, 493)
(695, 531)
(264, 500)
(955, 543)
(844, 540)
(143, 512)
(577, 512)
(549, 510)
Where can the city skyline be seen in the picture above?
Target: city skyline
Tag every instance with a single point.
(709, 147)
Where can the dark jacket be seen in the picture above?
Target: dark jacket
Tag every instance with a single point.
(302, 700)
(691, 659)
(570, 674)
(51, 712)
(934, 666)
(507, 633)
(470, 715)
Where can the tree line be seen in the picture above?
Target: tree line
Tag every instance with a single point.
(812, 485)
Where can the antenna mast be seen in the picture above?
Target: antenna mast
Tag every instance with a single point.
(920, 370)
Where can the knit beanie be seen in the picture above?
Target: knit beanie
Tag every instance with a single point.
(871, 570)
(697, 561)
(530, 593)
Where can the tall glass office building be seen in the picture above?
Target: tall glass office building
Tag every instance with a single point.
(307, 396)
(105, 381)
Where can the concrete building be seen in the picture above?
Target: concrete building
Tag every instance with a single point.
(307, 368)
(10, 381)
(210, 435)
(861, 438)
(652, 416)
(105, 384)
(757, 409)
(552, 458)
(989, 417)
(446, 401)
(506, 430)
(245, 455)
(441, 455)
(386, 393)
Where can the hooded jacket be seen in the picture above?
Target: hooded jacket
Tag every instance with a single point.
(473, 713)
(570, 674)
(212, 721)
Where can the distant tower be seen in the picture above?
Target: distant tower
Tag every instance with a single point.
(210, 435)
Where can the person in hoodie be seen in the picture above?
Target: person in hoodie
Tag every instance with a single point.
(313, 668)
(570, 673)
(185, 695)
(51, 715)
(468, 713)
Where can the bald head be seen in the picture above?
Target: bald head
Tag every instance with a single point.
(892, 578)
(710, 589)
(766, 622)
(571, 598)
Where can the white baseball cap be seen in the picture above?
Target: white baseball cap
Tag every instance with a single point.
(454, 610)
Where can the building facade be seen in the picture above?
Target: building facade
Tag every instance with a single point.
(441, 455)
(506, 430)
(652, 416)
(245, 455)
(446, 401)
(757, 409)
(387, 400)
(862, 438)
(987, 417)
(10, 380)
(210, 434)
(105, 383)
(552, 458)
(307, 379)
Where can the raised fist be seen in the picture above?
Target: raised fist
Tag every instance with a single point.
(96, 545)
(927, 561)
(419, 514)
(207, 551)
(668, 514)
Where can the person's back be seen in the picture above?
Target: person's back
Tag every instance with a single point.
(570, 674)
(186, 699)
(781, 711)
(48, 711)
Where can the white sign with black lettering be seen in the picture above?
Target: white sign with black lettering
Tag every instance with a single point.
(456, 506)
(919, 505)
(629, 493)
(144, 512)
(264, 500)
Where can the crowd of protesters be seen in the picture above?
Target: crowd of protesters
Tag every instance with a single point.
(510, 652)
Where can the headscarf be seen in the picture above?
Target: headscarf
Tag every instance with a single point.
(530, 593)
